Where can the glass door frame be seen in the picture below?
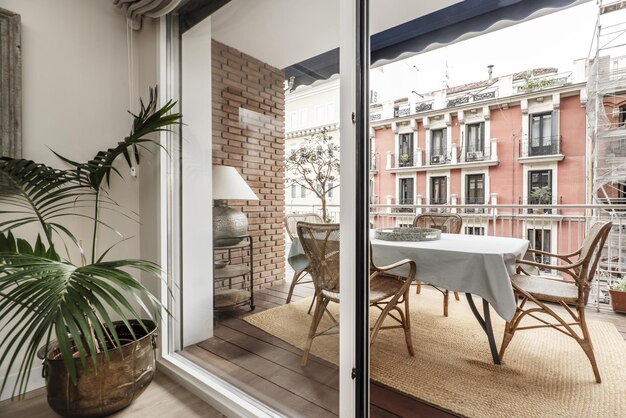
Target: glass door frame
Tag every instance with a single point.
(354, 309)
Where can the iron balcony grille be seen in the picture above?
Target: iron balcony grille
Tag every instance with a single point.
(476, 153)
(439, 156)
(407, 202)
(474, 201)
(402, 110)
(536, 147)
(404, 160)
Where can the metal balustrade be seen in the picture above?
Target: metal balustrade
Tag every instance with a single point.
(561, 229)
(476, 153)
(538, 147)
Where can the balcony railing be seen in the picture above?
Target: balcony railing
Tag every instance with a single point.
(402, 110)
(404, 160)
(540, 147)
(542, 82)
(476, 153)
(373, 162)
(439, 156)
(566, 233)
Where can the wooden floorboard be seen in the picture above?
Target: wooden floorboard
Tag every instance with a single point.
(321, 373)
(315, 392)
(268, 392)
(269, 368)
(164, 398)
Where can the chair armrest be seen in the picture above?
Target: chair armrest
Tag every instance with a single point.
(567, 268)
(561, 256)
(412, 267)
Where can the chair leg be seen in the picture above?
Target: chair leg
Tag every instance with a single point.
(418, 287)
(317, 316)
(456, 296)
(311, 305)
(506, 338)
(407, 325)
(446, 298)
(294, 282)
(587, 346)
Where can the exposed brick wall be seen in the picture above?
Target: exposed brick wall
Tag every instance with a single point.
(249, 134)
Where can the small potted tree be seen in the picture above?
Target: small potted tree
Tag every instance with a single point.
(618, 295)
(540, 196)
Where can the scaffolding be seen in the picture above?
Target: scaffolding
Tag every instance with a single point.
(606, 124)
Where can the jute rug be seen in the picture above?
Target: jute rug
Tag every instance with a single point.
(544, 373)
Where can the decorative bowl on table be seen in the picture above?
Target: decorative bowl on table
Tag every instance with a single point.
(407, 234)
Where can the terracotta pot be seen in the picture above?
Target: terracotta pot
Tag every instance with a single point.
(117, 383)
(618, 300)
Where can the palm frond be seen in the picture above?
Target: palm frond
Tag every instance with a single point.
(35, 191)
(149, 120)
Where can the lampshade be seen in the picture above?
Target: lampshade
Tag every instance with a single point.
(228, 184)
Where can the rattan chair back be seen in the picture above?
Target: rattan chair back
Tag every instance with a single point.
(449, 223)
(321, 245)
(591, 251)
(293, 219)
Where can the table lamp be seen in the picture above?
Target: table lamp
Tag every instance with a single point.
(228, 222)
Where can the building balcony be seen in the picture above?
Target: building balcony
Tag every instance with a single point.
(373, 163)
(455, 158)
(473, 153)
(404, 162)
(544, 149)
(529, 84)
(440, 156)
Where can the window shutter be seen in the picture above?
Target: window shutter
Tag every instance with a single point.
(482, 136)
(555, 125)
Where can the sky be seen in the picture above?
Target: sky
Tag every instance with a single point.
(555, 40)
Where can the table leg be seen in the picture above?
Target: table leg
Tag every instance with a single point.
(485, 323)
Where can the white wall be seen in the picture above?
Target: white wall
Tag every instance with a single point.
(76, 93)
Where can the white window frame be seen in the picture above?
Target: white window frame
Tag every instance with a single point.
(435, 123)
(403, 130)
(482, 115)
(438, 173)
(537, 167)
(406, 176)
(470, 171)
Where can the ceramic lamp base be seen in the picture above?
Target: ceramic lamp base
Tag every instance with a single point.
(228, 223)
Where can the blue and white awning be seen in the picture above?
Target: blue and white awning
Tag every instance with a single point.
(460, 21)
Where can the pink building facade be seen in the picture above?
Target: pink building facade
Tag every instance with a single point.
(518, 140)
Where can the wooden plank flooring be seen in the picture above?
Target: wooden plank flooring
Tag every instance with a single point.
(164, 398)
(269, 368)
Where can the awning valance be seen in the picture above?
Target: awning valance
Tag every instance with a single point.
(460, 21)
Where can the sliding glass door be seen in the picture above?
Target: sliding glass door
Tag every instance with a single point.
(254, 190)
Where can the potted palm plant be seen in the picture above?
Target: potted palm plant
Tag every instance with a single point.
(94, 365)
(618, 295)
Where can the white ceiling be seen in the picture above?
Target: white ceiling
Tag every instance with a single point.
(284, 32)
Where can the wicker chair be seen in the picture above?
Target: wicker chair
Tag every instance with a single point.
(449, 223)
(387, 292)
(537, 290)
(300, 266)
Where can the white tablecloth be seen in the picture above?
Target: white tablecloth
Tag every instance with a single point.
(474, 264)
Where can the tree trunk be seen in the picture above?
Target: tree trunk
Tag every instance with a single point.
(324, 214)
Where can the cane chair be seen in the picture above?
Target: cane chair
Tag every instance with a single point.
(571, 296)
(300, 264)
(387, 292)
(449, 223)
